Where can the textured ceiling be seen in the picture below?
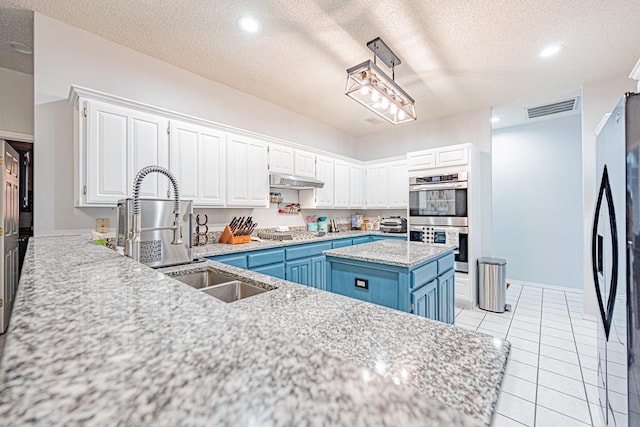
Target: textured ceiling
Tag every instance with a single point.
(17, 26)
(457, 54)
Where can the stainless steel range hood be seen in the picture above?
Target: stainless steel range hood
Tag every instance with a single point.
(293, 182)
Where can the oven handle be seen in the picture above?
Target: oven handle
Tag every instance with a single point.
(440, 186)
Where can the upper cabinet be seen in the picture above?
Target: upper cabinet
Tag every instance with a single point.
(452, 155)
(341, 186)
(377, 183)
(198, 160)
(356, 186)
(247, 175)
(398, 185)
(305, 164)
(114, 144)
(281, 159)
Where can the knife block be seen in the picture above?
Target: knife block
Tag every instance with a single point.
(228, 237)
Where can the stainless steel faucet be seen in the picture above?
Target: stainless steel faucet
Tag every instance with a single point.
(132, 248)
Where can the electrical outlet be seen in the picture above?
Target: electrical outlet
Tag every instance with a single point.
(102, 225)
(362, 283)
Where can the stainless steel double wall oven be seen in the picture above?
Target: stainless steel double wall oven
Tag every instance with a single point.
(438, 207)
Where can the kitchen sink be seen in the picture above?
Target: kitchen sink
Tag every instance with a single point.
(233, 291)
(219, 285)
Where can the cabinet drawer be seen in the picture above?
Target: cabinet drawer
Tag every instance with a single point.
(237, 260)
(360, 240)
(446, 263)
(341, 243)
(273, 256)
(375, 286)
(424, 274)
(275, 270)
(309, 250)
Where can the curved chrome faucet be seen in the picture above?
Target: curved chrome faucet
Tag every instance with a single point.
(132, 248)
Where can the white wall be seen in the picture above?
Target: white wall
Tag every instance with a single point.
(537, 174)
(598, 98)
(65, 55)
(16, 106)
(472, 126)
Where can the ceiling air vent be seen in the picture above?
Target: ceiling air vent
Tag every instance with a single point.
(555, 108)
(373, 121)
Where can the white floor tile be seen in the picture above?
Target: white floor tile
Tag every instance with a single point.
(524, 344)
(498, 320)
(563, 343)
(560, 318)
(501, 335)
(556, 311)
(465, 326)
(564, 404)
(524, 334)
(526, 319)
(559, 354)
(548, 418)
(592, 362)
(518, 387)
(527, 326)
(559, 367)
(561, 383)
(521, 310)
(596, 415)
(459, 310)
(523, 356)
(494, 327)
(515, 408)
(522, 370)
(556, 333)
(589, 376)
(500, 420)
(588, 340)
(468, 320)
(476, 314)
(560, 326)
(589, 350)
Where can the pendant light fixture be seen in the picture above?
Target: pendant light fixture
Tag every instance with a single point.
(368, 85)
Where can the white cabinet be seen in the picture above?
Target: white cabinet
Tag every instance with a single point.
(115, 144)
(324, 173)
(398, 185)
(356, 186)
(305, 164)
(247, 173)
(424, 159)
(281, 159)
(198, 160)
(377, 185)
(452, 155)
(341, 188)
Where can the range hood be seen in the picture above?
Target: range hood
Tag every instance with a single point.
(293, 182)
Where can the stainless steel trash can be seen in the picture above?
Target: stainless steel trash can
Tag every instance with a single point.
(492, 284)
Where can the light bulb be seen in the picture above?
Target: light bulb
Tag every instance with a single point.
(375, 96)
(364, 90)
(393, 109)
(377, 105)
(385, 103)
(401, 115)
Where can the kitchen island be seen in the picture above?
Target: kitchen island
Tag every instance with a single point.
(408, 276)
(97, 339)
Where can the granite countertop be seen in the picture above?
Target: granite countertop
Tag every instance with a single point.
(214, 249)
(392, 252)
(97, 338)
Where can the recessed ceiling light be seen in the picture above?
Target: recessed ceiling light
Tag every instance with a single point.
(249, 24)
(19, 47)
(495, 119)
(551, 50)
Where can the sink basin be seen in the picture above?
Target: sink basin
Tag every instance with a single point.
(219, 285)
(233, 291)
(204, 279)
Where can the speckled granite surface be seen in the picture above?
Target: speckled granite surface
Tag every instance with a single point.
(393, 252)
(222, 249)
(98, 339)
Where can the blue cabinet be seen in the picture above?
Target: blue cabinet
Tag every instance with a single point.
(274, 270)
(341, 243)
(318, 272)
(424, 301)
(299, 271)
(365, 282)
(360, 240)
(446, 296)
(377, 237)
(237, 260)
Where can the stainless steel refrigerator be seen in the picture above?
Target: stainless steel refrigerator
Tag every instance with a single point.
(615, 253)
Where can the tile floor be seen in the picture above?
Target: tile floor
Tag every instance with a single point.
(551, 374)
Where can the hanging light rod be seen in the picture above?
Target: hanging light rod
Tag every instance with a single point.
(369, 86)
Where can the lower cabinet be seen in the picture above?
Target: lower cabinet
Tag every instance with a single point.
(274, 270)
(446, 296)
(424, 301)
(318, 272)
(299, 271)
